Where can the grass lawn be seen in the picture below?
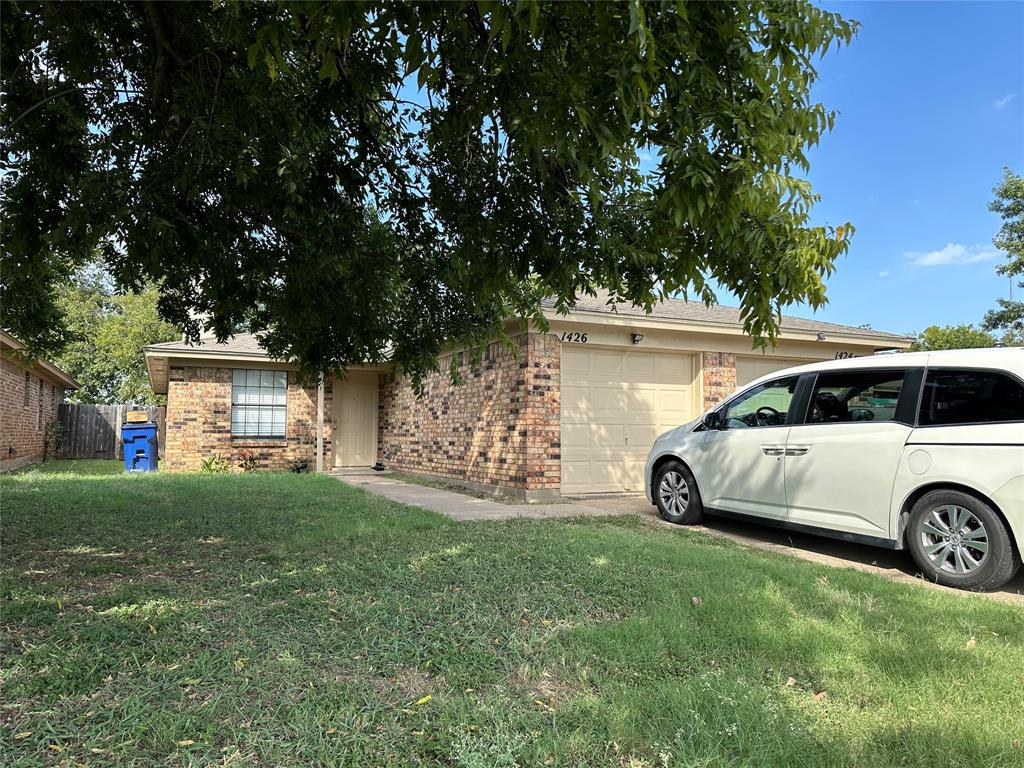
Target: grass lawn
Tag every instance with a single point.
(292, 620)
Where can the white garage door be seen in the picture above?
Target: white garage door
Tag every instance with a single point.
(614, 404)
(750, 368)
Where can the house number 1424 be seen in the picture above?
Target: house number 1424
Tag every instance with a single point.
(575, 336)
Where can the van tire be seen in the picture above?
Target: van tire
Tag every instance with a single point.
(930, 529)
(676, 495)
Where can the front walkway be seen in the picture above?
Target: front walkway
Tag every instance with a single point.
(462, 507)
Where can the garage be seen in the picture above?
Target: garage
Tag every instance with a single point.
(750, 368)
(614, 404)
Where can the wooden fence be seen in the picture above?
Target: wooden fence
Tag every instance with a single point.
(94, 431)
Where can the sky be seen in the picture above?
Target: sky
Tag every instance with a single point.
(930, 97)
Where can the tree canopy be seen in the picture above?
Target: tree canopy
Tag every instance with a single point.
(1009, 204)
(349, 178)
(107, 332)
(952, 337)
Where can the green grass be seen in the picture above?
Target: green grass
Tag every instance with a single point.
(73, 467)
(292, 620)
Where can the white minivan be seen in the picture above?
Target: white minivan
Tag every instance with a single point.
(921, 451)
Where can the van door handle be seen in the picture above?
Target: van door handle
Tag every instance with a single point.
(798, 450)
(773, 450)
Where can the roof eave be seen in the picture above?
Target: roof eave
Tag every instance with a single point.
(6, 340)
(711, 326)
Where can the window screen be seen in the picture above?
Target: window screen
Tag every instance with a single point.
(39, 408)
(970, 397)
(258, 403)
(28, 387)
(856, 396)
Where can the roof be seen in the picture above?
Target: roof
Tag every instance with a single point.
(697, 312)
(242, 344)
(42, 367)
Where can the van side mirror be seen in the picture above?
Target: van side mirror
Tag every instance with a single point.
(712, 420)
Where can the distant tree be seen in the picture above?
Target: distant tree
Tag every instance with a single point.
(952, 337)
(1009, 204)
(107, 332)
(371, 180)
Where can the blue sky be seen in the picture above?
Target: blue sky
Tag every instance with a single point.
(931, 107)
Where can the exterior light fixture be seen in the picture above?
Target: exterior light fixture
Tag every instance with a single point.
(637, 337)
(821, 336)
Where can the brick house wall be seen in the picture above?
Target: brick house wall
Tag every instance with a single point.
(719, 373)
(498, 430)
(24, 415)
(199, 423)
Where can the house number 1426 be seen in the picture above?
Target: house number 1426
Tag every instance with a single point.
(575, 336)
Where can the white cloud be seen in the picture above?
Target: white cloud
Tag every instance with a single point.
(954, 253)
(1000, 103)
(884, 273)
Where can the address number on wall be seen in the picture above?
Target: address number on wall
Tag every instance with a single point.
(575, 337)
(844, 355)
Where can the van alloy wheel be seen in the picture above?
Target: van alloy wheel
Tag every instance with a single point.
(954, 539)
(674, 492)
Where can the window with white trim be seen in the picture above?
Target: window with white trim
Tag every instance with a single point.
(259, 401)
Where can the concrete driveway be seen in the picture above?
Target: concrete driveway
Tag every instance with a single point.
(897, 565)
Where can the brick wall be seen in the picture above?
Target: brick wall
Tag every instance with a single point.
(199, 423)
(719, 373)
(21, 431)
(499, 428)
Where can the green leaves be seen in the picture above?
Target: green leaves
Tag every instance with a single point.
(349, 178)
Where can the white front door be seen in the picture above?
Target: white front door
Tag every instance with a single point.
(355, 420)
(842, 463)
(742, 464)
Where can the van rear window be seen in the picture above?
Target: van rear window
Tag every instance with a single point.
(970, 397)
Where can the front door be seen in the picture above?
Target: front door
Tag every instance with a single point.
(742, 466)
(355, 420)
(841, 464)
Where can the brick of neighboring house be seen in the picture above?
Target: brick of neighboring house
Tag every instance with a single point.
(199, 423)
(719, 373)
(24, 415)
(498, 430)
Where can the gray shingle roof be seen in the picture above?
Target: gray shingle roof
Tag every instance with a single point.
(695, 311)
(671, 309)
(242, 344)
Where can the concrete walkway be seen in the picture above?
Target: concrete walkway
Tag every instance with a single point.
(894, 565)
(463, 507)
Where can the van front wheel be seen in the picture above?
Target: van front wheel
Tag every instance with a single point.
(676, 494)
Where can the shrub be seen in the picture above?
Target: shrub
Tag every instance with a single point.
(215, 464)
(247, 461)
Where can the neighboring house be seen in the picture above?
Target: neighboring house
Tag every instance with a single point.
(30, 393)
(575, 411)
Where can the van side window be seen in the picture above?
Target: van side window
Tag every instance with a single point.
(855, 396)
(970, 397)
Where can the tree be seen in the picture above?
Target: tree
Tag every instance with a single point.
(107, 333)
(952, 337)
(1009, 204)
(361, 181)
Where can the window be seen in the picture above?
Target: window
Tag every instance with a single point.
(970, 397)
(763, 406)
(28, 384)
(39, 408)
(258, 403)
(856, 396)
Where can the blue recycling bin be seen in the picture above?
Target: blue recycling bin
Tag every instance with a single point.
(140, 448)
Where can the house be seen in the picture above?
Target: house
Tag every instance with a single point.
(574, 411)
(30, 392)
